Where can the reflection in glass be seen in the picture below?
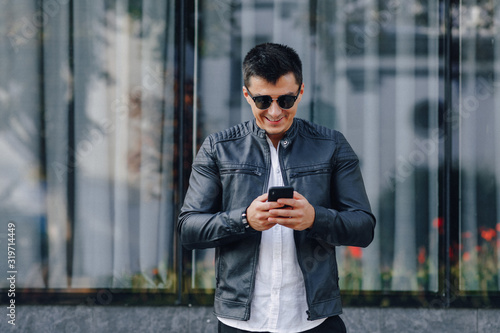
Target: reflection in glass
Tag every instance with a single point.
(87, 131)
(479, 154)
(87, 139)
(371, 70)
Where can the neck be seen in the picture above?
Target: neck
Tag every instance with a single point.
(275, 139)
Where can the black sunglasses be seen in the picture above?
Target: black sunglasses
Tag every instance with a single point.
(264, 102)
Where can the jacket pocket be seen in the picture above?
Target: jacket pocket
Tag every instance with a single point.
(313, 182)
(240, 184)
(246, 171)
(313, 172)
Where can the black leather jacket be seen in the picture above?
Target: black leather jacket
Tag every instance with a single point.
(232, 168)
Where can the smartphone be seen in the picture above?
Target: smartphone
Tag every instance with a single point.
(280, 192)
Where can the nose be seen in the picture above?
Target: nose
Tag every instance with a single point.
(274, 110)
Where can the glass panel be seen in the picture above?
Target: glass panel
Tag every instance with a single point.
(87, 135)
(384, 65)
(386, 87)
(371, 70)
(479, 125)
(21, 191)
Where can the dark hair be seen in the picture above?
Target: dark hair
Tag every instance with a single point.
(271, 61)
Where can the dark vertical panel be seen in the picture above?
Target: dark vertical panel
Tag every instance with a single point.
(44, 251)
(179, 120)
(71, 158)
(449, 223)
(183, 118)
(163, 152)
(313, 16)
(235, 69)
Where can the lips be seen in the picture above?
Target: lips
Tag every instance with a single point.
(274, 121)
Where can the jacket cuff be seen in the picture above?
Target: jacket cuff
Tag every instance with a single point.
(238, 224)
(322, 226)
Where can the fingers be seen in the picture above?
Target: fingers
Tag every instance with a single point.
(258, 214)
(297, 201)
(262, 198)
(296, 213)
(299, 215)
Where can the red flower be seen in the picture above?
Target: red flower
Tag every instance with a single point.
(438, 223)
(421, 255)
(466, 256)
(488, 234)
(356, 252)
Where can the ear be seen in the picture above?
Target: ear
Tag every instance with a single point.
(245, 94)
(301, 92)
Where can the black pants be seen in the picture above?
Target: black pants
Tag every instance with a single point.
(330, 325)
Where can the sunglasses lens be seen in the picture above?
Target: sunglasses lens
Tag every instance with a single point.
(263, 102)
(286, 101)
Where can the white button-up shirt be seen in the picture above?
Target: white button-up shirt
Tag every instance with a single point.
(279, 299)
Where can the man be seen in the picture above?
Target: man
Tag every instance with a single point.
(276, 269)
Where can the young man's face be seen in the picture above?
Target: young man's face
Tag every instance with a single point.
(274, 120)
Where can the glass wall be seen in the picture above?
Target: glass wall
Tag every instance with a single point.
(477, 121)
(87, 143)
(103, 105)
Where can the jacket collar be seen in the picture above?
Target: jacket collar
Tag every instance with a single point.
(287, 139)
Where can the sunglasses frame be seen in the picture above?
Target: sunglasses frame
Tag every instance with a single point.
(274, 99)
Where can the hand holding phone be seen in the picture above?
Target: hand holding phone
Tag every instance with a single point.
(280, 192)
(301, 217)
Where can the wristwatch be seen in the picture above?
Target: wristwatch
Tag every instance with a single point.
(244, 219)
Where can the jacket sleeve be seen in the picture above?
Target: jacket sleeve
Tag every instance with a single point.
(350, 220)
(201, 222)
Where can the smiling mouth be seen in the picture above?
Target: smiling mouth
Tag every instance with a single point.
(274, 121)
